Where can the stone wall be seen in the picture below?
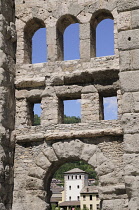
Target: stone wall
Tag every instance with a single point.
(110, 147)
(7, 101)
(129, 66)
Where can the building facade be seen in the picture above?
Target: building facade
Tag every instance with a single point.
(29, 154)
(89, 198)
(74, 181)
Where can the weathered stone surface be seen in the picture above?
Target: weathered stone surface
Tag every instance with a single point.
(128, 41)
(131, 143)
(129, 81)
(111, 147)
(131, 164)
(127, 5)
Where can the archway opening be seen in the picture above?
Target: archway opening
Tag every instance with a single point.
(31, 27)
(102, 34)
(39, 46)
(71, 42)
(67, 38)
(105, 38)
(74, 185)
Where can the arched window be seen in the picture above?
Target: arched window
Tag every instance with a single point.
(31, 27)
(102, 33)
(39, 47)
(105, 38)
(71, 42)
(68, 38)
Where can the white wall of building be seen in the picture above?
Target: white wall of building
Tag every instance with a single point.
(73, 185)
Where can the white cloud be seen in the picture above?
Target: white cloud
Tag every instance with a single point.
(110, 107)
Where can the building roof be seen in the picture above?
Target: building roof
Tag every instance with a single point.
(89, 189)
(55, 200)
(70, 203)
(57, 189)
(75, 170)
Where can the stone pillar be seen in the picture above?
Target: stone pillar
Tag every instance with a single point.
(24, 113)
(128, 41)
(85, 41)
(89, 104)
(7, 104)
(49, 107)
(20, 42)
(51, 43)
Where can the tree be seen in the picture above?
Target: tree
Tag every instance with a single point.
(76, 164)
(67, 119)
(36, 120)
(71, 120)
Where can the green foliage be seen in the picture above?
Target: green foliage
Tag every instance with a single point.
(85, 208)
(53, 206)
(36, 120)
(67, 120)
(76, 164)
(71, 120)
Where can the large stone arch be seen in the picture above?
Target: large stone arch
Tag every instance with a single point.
(36, 188)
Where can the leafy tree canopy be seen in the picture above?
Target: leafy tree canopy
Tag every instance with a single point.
(76, 164)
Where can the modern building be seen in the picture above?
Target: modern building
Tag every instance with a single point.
(77, 193)
(89, 198)
(74, 181)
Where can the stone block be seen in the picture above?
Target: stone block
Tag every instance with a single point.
(112, 178)
(117, 204)
(126, 5)
(131, 162)
(129, 81)
(85, 49)
(124, 21)
(68, 149)
(50, 154)
(42, 162)
(34, 184)
(130, 123)
(128, 40)
(85, 31)
(105, 168)
(127, 103)
(88, 151)
(36, 172)
(135, 18)
(129, 60)
(131, 143)
(132, 186)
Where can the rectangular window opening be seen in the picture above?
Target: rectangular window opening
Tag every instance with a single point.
(37, 112)
(90, 197)
(108, 108)
(98, 207)
(70, 111)
(34, 112)
(91, 206)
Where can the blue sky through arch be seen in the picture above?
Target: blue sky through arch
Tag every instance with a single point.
(71, 42)
(39, 46)
(105, 38)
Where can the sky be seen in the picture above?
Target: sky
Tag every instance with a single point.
(104, 47)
